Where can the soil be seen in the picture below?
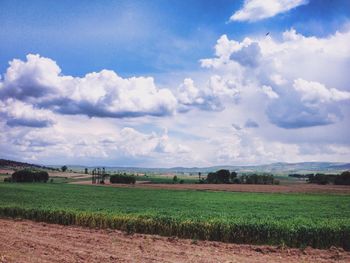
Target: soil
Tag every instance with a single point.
(290, 188)
(27, 241)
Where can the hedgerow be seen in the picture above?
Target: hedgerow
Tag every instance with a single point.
(26, 175)
(122, 179)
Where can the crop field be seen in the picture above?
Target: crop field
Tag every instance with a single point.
(164, 179)
(295, 220)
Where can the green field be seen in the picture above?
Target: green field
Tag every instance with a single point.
(291, 219)
(159, 179)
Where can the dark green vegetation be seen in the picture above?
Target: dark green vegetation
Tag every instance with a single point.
(221, 177)
(226, 177)
(28, 176)
(122, 179)
(320, 178)
(291, 219)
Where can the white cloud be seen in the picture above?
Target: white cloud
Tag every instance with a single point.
(18, 113)
(272, 66)
(209, 97)
(315, 92)
(257, 100)
(270, 92)
(189, 94)
(254, 10)
(103, 94)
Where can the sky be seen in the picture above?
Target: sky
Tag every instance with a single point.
(174, 83)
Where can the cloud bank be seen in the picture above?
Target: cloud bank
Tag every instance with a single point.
(257, 100)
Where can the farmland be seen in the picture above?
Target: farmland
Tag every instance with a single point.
(259, 218)
(25, 241)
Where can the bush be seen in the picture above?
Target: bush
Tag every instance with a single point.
(7, 180)
(29, 176)
(122, 179)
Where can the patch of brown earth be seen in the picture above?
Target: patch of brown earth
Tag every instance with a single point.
(27, 241)
(68, 174)
(291, 188)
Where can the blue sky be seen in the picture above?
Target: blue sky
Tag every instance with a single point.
(142, 37)
(175, 82)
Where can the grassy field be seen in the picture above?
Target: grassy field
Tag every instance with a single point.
(161, 179)
(291, 219)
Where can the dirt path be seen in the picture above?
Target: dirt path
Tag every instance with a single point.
(292, 188)
(27, 241)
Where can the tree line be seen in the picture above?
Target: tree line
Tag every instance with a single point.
(320, 178)
(224, 176)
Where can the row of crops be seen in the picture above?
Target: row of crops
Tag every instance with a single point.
(292, 220)
(299, 234)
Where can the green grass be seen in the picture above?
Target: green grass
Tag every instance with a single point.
(159, 179)
(291, 219)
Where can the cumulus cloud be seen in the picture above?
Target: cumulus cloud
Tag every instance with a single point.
(103, 94)
(315, 92)
(293, 73)
(209, 97)
(68, 139)
(254, 10)
(248, 55)
(258, 99)
(18, 113)
(290, 114)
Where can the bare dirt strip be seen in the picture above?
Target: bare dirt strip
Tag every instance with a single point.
(27, 241)
(291, 188)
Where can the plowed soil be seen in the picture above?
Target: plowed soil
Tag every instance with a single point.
(27, 241)
(290, 188)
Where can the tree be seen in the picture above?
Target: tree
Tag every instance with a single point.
(220, 177)
(343, 178)
(174, 179)
(233, 175)
(64, 168)
(223, 176)
(86, 171)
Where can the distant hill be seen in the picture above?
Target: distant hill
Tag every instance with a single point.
(282, 168)
(14, 164)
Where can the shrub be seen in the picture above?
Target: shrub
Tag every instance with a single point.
(7, 180)
(29, 176)
(122, 179)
